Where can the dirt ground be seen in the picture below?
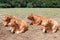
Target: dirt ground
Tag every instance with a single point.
(33, 33)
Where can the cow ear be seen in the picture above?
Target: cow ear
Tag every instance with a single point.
(10, 16)
(16, 21)
(31, 14)
(14, 16)
(50, 20)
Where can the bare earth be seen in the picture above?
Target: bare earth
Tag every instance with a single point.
(33, 32)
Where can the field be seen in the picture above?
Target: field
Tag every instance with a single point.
(33, 32)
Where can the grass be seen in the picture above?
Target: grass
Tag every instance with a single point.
(20, 12)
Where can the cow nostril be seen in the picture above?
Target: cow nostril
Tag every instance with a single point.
(13, 31)
(45, 31)
(6, 25)
(9, 24)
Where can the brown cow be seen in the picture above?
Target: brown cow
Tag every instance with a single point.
(18, 25)
(49, 25)
(7, 19)
(35, 19)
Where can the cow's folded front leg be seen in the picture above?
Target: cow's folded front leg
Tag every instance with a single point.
(12, 30)
(17, 31)
(31, 23)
